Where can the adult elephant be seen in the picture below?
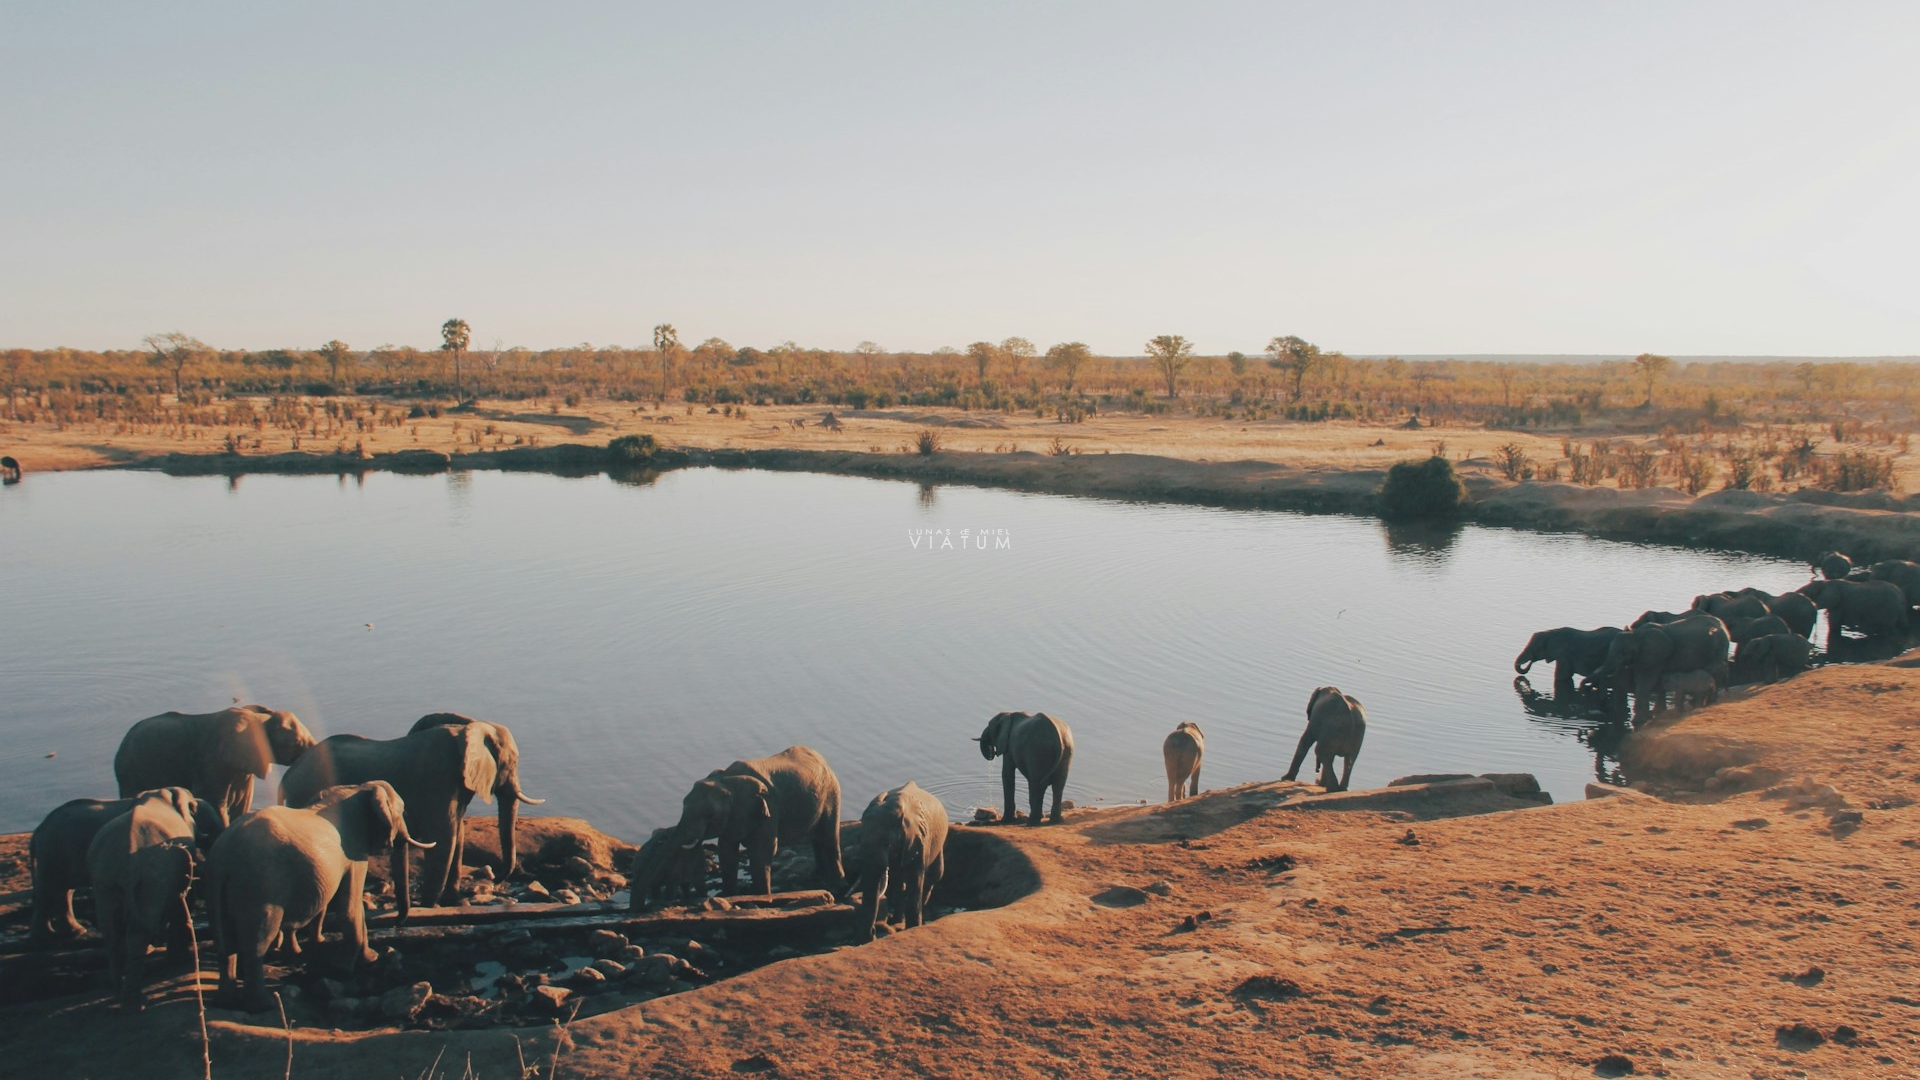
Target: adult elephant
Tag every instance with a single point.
(900, 851)
(1037, 747)
(9, 470)
(1653, 650)
(1336, 725)
(215, 755)
(1795, 609)
(1658, 618)
(57, 854)
(1728, 606)
(282, 868)
(1772, 658)
(1182, 750)
(1901, 572)
(1573, 652)
(1876, 608)
(140, 864)
(760, 804)
(436, 769)
(1744, 630)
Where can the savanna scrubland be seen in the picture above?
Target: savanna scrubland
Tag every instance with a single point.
(1747, 911)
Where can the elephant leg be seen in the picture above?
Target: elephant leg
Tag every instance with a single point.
(915, 893)
(1346, 773)
(1562, 679)
(1173, 786)
(827, 865)
(936, 870)
(1006, 783)
(729, 866)
(433, 871)
(1059, 785)
(1300, 753)
(115, 933)
(760, 865)
(133, 988)
(872, 885)
(456, 860)
(356, 913)
(253, 964)
(1036, 800)
(1193, 785)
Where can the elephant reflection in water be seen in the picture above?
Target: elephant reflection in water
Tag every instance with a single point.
(1596, 717)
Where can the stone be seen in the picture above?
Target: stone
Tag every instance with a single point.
(615, 882)
(985, 816)
(538, 890)
(484, 873)
(405, 1002)
(657, 971)
(552, 999)
(578, 868)
(567, 896)
(589, 976)
(1161, 888)
(611, 969)
(631, 955)
(605, 943)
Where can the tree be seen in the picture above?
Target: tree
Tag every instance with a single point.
(870, 352)
(335, 351)
(1016, 350)
(1297, 357)
(666, 341)
(454, 335)
(1651, 367)
(1237, 363)
(1067, 357)
(1171, 354)
(174, 351)
(982, 354)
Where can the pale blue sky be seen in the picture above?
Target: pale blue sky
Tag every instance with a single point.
(1413, 177)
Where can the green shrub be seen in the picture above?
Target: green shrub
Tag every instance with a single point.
(632, 449)
(1422, 489)
(927, 442)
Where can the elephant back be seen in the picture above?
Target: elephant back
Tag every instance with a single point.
(1042, 747)
(805, 789)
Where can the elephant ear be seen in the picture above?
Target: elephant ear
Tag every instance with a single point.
(184, 804)
(478, 769)
(240, 743)
(506, 756)
(751, 803)
(371, 820)
(1314, 698)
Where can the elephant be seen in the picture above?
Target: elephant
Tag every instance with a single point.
(1874, 607)
(760, 804)
(1743, 630)
(1695, 687)
(1182, 750)
(1657, 618)
(662, 865)
(1573, 652)
(1336, 725)
(57, 853)
(437, 768)
(1731, 606)
(1833, 565)
(1696, 642)
(1038, 747)
(900, 850)
(216, 755)
(141, 863)
(281, 869)
(1798, 611)
(9, 469)
(1772, 658)
(1901, 572)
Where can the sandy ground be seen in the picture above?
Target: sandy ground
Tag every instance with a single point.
(1687, 934)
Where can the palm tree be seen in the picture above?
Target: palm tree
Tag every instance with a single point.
(454, 335)
(1171, 353)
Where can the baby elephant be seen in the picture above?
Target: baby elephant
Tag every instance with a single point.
(141, 866)
(1696, 687)
(58, 854)
(1336, 724)
(901, 855)
(1036, 745)
(1182, 751)
(662, 866)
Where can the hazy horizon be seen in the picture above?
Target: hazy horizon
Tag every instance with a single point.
(1692, 179)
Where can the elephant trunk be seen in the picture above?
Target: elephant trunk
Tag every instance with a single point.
(1522, 665)
(509, 813)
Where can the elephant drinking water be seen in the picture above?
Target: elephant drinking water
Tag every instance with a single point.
(760, 804)
(1336, 725)
(1573, 652)
(900, 853)
(1036, 746)
(1695, 642)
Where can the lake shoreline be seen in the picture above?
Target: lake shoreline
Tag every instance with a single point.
(1868, 525)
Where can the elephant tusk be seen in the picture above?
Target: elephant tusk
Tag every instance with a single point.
(690, 847)
(422, 845)
(528, 799)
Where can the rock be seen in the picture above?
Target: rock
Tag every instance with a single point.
(589, 977)
(605, 943)
(632, 955)
(1614, 1065)
(1431, 778)
(578, 868)
(695, 951)
(1846, 817)
(616, 882)
(611, 969)
(405, 1002)
(334, 988)
(1066, 804)
(1608, 791)
(1752, 823)
(343, 1006)
(1120, 896)
(538, 890)
(657, 970)
(567, 896)
(484, 873)
(1161, 888)
(1798, 1036)
(1810, 977)
(717, 903)
(984, 816)
(1845, 1035)
(552, 999)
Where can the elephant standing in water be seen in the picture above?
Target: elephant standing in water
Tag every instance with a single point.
(900, 852)
(141, 865)
(1573, 652)
(1336, 725)
(215, 755)
(1689, 687)
(1772, 658)
(1036, 746)
(436, 769)
(664, 866)
(1876, 608)
(1901, 572)
(1182, 751)
(760, 804)
(1696, 642)
(281, 869)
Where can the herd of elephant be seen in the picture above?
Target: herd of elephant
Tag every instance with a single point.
(183, 828)
(1691, 655)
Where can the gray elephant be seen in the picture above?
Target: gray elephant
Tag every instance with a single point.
(1743, 630)
(215, 755)
(662, 867)
(760, 804)
(1875, 608)
(1696, 642)
(57, 853)
(1772, 658)
(1833, 565)
(1798, 612)
(1182, 751)
(1901, 572)
(1729, 606)
(437, 768)
(141, 864)
(1689, 687)
(1657, 618)
(1336, 725)
(1036, 746)
(1573, 652)
(279, 869)
(900, 852)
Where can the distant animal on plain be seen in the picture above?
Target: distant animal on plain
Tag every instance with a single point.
(1182, 750)
(1336, 725)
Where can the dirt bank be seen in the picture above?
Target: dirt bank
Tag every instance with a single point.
(1760, 922)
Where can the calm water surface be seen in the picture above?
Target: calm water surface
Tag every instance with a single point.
(635, 637)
